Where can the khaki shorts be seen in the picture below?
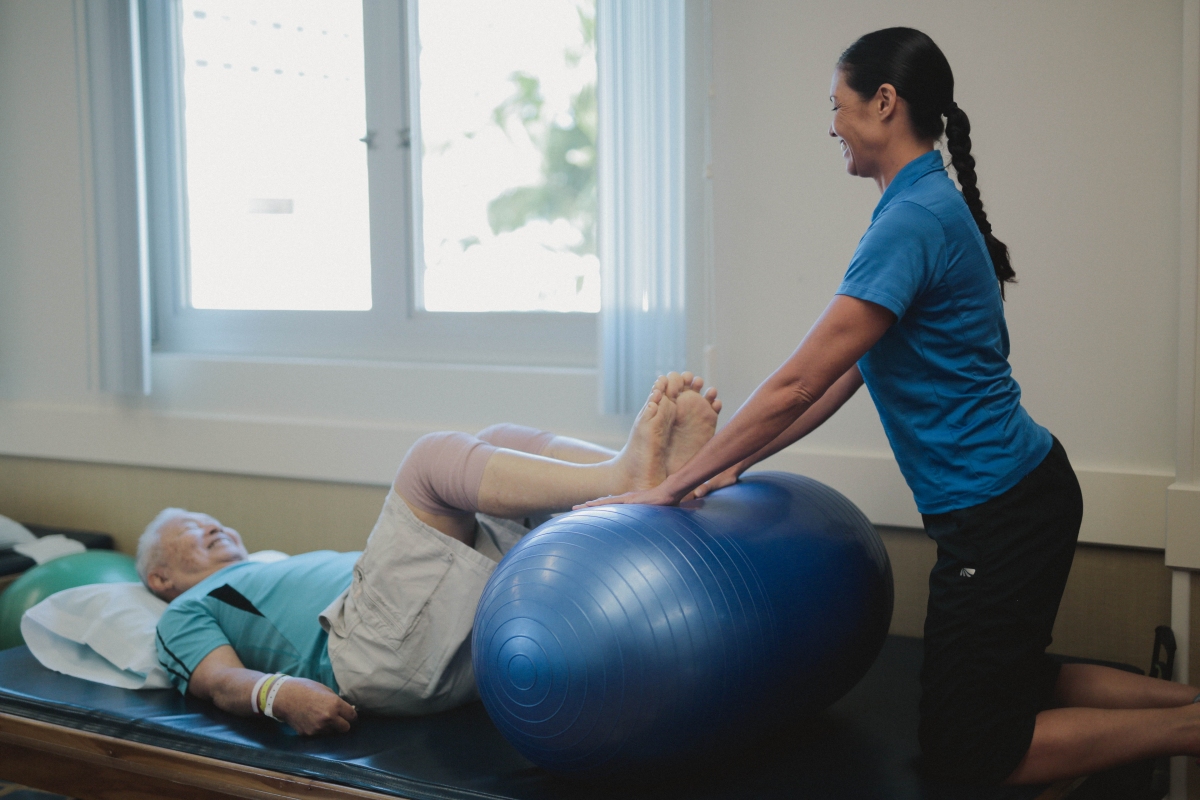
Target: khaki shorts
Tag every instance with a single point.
(400, 636)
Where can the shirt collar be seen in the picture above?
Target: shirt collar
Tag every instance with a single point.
(909, 174)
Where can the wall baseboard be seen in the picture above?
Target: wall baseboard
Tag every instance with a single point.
(1183, 521)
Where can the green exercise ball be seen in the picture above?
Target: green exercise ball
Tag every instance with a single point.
(80, 569)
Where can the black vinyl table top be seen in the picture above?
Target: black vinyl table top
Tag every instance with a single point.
(863, 747)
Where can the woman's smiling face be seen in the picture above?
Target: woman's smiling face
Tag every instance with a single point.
(852, 127)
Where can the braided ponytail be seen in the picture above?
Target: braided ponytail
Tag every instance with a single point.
(958, 142)
(911, 62)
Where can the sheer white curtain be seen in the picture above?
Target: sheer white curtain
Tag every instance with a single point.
(640, 55)
(118, 205)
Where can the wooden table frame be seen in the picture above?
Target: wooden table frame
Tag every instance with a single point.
(91, 766)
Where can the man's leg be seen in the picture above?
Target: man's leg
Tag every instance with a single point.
(542, 443)
(446, 478)
(675, 423)
(439, 481)
(691, 423)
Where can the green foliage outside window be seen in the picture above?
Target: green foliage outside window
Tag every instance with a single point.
(567, 189)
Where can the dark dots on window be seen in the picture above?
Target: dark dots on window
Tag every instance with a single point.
(254, 69)
(324, 33)
(278, 72)
(301, 74)
(227, 66)
(199, 14)
(301, 30)
(276, 26)
(253, 22)
(201, 62)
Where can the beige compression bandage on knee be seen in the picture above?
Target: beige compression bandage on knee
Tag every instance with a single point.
(442, 473)
(517, 437)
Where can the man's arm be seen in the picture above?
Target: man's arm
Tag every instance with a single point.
(307, 706)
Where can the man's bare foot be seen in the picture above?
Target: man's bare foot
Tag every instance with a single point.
(643, 460)
(695, 419)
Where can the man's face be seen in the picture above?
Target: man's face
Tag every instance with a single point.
(192, 547)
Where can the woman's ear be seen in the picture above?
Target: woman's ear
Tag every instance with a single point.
(885, 102)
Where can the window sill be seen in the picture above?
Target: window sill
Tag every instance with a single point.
(342, 421)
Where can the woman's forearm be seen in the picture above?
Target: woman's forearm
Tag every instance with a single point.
(829, 403)
(776, 410)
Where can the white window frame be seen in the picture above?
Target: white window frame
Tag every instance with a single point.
(341, 417)
(396, 328)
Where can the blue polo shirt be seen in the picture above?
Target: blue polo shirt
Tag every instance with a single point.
(266, 611)
(940, 376)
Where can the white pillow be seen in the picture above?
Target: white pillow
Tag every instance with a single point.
(104, 632)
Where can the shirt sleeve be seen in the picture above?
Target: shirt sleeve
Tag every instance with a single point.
(187, 632)
(899, 257)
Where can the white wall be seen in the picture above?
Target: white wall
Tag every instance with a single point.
(1076, 111)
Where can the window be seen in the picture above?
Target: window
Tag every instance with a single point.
(508, 172)
(277, 213)
(386, 181)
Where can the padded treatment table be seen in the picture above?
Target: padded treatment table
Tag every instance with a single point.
(92, 741)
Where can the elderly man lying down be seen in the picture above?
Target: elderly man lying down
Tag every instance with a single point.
(308, 639)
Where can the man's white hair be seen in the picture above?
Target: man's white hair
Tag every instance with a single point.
(147, 549)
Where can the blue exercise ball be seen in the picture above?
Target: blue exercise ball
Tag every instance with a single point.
(622, 638)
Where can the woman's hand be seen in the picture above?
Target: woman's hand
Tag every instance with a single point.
(778, 412)
(727, 478)
(312, 708)
(646, 497)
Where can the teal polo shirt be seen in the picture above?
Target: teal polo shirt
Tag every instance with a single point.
(266, 612)
(940, 376)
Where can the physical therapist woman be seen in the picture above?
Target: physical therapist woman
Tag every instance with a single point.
(919, 319)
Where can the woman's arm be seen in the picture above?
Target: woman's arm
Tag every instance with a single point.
(833, 399)
(846, 330)
(307, 706)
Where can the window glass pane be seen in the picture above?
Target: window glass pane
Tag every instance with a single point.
(276, 175)
(508, 170)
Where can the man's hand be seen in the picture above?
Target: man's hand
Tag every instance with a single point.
(307, 706)
(312, 708)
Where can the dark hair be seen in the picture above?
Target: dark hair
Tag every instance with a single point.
(911, 62)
